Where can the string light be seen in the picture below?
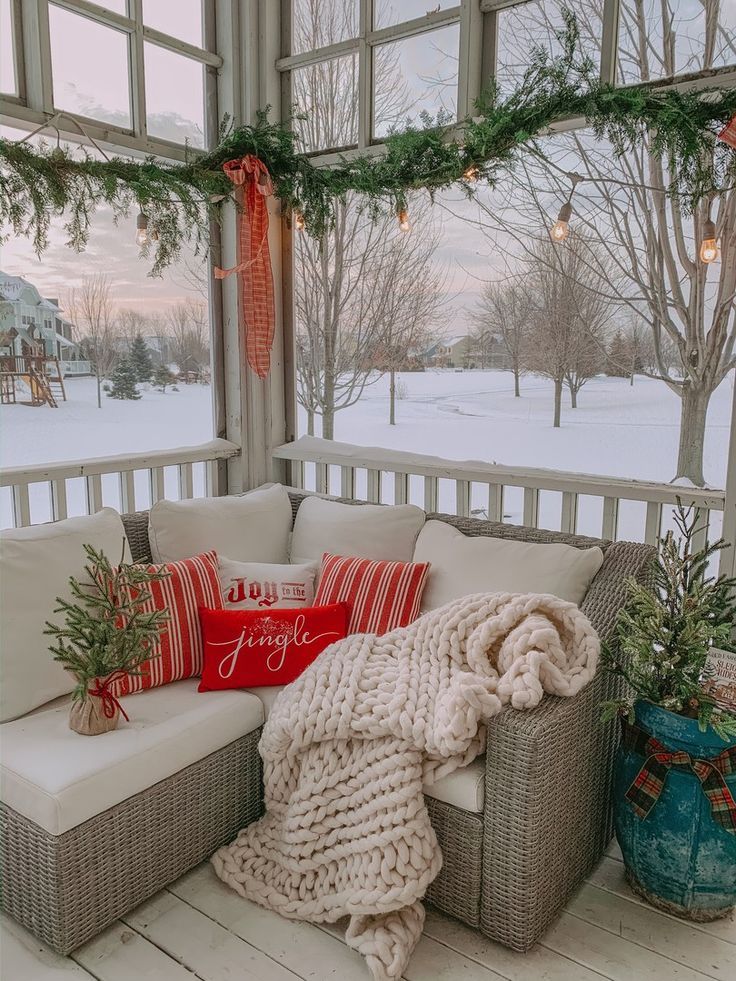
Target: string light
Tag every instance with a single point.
(299, 222)
(403, 216)
(141, 233)
(561, 228)
(709, 244)
(472, 173)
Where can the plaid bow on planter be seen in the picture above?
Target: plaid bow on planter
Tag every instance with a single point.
(649, 782)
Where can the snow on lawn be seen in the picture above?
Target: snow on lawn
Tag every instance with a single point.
(618, 430)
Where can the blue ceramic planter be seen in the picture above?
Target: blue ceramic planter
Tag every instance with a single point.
(677, 857)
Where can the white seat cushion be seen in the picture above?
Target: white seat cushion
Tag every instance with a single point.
(267, 695)
(463, 788)
(58, 779)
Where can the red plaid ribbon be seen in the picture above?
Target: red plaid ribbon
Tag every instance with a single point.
(649, 782)
(728, 133)
(258, 319)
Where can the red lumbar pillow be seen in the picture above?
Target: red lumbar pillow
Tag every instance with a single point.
(190, 584)
(254, 648)
(381, 595)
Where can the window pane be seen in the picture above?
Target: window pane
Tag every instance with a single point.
(8, 81)
(90, 68)
(387, 12)
(414, 76)
(646, 52)
(327, 95)
(317, 23)
(520, 29)
(179, 18)
(174, 96)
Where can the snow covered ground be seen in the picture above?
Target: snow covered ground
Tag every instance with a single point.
(618, 430)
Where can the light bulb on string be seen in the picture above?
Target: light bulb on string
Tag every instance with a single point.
(471, 173)
(403, 216)
(141, 230)
(561, 228)
(709, 244)
(299, 222)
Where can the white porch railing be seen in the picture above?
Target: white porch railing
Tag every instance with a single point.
(49, 492)
(605, 507)
(74, 368)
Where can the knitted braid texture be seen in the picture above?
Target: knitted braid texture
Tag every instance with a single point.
(349, 744)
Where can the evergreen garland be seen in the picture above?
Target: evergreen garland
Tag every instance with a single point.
(180, 200)
(664, 634)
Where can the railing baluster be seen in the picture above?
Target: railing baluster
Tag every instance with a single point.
(431, 494)
(127, 491)
(21, 506)
(347, 482)
(186, 481)
(531, 507)
(93, 490)
(495, 502)
(653, 523)
(57, 489)
(297, 474)
(401, 488)
(211, 478)
(609, 526)
(321, 476)
(156, 480)
(569, 516)
(702, 521)
(462, 498)
(374, 486)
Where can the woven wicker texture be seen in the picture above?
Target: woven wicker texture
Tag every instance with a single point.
(548, 772)
(67, 889)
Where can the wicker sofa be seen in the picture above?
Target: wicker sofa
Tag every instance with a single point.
(510, 863)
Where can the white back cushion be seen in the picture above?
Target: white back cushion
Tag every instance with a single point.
(252, 528)
(461, 566)
(36, 565)
(367, 531)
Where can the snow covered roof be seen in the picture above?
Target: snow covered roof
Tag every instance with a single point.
(13, 287)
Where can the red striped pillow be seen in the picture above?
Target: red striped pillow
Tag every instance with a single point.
(380, 595)
(191, 584)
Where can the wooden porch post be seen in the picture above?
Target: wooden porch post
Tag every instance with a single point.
(727, 565)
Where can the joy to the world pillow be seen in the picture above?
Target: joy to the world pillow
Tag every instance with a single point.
(262, 586)
(380, 595)
(190, 584)
(252, 649)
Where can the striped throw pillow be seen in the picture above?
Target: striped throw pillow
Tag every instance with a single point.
(380, 595)
(191, 584)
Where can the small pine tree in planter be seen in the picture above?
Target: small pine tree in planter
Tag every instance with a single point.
(107, 633)
(675, 779)
(140, 358)
(123, 380)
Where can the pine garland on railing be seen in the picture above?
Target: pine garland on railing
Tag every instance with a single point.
(180, 200)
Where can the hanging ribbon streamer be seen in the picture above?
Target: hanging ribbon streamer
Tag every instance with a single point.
(728, 133)
(257, 316)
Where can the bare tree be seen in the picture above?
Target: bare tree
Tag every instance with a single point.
(91, 308)
(350, 283)
(188, 329)
(504, 313)
(648, 241)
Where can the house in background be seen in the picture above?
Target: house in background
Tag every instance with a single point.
(32, 325)
(467, 351)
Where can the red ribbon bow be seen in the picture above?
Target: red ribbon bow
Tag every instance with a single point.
(109, 701)
(257, 314)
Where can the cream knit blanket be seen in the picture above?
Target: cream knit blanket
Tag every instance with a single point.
(349, 744)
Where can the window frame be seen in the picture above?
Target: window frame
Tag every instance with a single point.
(478, 56)
(34, 103)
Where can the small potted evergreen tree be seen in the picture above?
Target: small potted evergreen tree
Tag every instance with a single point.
(675, 778)
(109, 631)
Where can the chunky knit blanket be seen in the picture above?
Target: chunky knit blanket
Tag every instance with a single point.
(350, 743)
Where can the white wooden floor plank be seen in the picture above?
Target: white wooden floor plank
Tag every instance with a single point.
(612, 956)
(535, 964)
(299, 947)
(24, 958)
(120, 954)
(675, 939)
(610, 875)
(202, 945)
